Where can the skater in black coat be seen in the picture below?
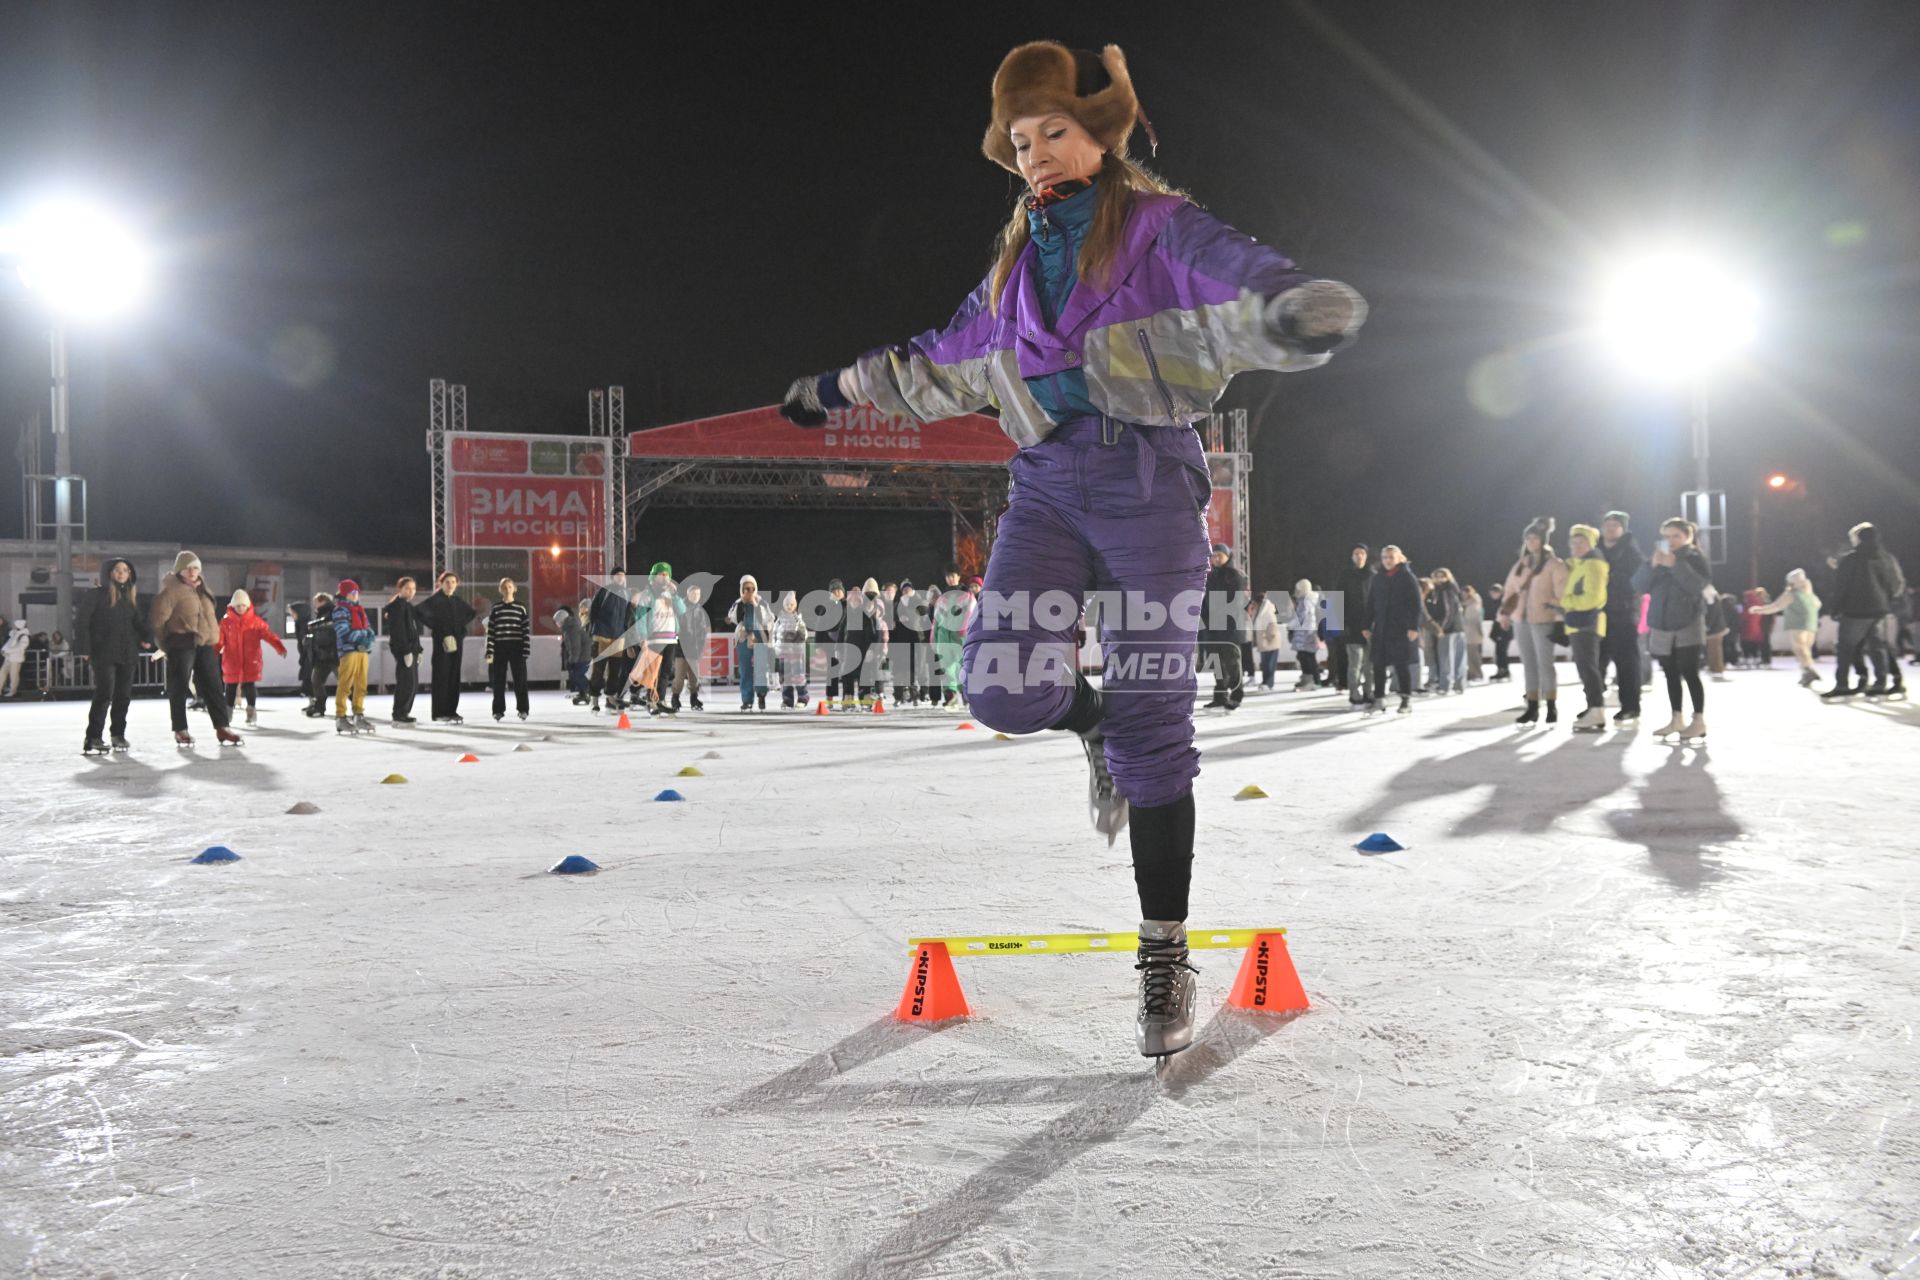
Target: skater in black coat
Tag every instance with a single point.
(1223, 626)
(447, 618)
(321, 646)
(1867, 582)
(117, 632)
(1395, 626)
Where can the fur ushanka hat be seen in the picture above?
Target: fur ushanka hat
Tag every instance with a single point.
(1046, 76)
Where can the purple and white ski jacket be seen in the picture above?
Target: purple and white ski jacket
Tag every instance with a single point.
(1188, 305)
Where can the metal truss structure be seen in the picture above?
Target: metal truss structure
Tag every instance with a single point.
(1227, 434)
(446, 413)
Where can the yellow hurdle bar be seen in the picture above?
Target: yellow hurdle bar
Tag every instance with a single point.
(1028, 944)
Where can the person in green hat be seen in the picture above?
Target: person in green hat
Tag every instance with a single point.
(657, 609)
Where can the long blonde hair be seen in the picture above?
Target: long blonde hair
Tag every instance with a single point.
(1120, 179)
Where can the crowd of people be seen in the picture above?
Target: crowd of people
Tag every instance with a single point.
(1381, 627)
(646, 646)
(1610, 606)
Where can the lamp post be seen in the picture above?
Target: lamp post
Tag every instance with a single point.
(1779, 483)
(1676, 315)
(83, 266)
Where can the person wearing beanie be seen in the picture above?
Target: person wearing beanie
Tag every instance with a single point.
(752, 623)
(353, 636)
(1112, 319)
(323, 653)
(1802, 621)
(447, 617)
(1626, 586)
(1583, 607)
(509, 637)
(402, 621)
(242, 632)
(116, 630)
(1355, 585)
(657, 613)
(1530, 604)
(184, 623)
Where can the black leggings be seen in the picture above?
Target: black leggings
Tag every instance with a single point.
(1684, 664)
(234, 692)
(1162, 840)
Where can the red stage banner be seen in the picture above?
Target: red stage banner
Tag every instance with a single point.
(858, 434)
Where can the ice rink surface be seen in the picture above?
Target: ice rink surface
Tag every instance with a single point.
(1620, 1010)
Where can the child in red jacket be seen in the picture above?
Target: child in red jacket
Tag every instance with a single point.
(241, 632)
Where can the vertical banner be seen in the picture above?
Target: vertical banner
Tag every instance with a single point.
(537, 509)
(1223, 469)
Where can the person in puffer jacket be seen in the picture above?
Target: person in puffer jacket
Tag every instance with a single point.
(790, 636)
(1113, 319)
(353, 637)
(242, 632)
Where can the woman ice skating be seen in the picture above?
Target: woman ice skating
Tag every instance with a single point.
(1802, 608)
(1304, 635)
(183, 623)
(1113, 318)
(116, 631)
(242, 632)
(1393, 629)
(1676, 623)
(1530, 604)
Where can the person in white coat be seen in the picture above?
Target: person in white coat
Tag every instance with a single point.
(1269, 638)
(11, 656)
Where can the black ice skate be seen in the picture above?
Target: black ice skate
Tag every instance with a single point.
(94, 747)
(1164, 1025)
(1105, 805)
(120, 743)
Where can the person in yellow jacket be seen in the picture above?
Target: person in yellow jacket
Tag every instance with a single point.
(1583, 606)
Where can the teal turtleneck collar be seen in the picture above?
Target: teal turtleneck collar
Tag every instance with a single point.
(1071, 212)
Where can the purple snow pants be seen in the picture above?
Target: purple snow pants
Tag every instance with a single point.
(1115, 509)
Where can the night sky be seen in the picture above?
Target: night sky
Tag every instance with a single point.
(537, 200)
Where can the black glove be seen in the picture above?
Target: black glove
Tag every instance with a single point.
(808, 399)
(1318, 317)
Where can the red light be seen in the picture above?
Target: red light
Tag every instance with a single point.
(1777, 481)
(554, 550)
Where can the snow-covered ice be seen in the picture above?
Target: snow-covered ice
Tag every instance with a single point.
(1619, 1010)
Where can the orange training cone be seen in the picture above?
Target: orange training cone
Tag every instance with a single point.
(623, 722)
(468, 758)
(879, 707)
(820, 708)
(1267, 982)
(964, 724)
(933, 991)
